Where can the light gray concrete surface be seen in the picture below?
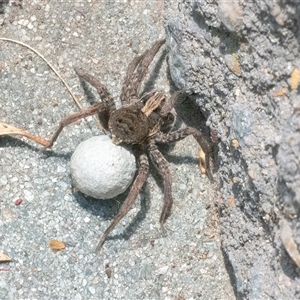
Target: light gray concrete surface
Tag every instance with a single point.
(140, 260)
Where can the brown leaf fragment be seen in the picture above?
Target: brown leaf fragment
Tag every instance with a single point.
(231, 202)
(6, 129)
(108, 270)
(288, 241)
(235, 143)
(18, 201)
(202, 161)
(56, 245)
(232, 62)
(4, 258)
(295, 79)
(280, 93)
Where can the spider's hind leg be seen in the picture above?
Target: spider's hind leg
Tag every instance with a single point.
(165, 111)
(181, 134)
(169, 104)
(138, 183)
(162, 166)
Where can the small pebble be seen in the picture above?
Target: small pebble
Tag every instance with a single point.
(18, 201)
(92, 290)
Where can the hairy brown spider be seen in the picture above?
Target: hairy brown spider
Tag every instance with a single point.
(140, 122)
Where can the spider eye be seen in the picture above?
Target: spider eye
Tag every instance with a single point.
(119, 120)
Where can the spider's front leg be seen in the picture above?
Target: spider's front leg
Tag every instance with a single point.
(162, 166)
(127, 87)
(181, 134)
(92, 110)
(137, 71)
(103, 109)
(137, 185)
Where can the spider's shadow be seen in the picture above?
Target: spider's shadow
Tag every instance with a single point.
(91, 96)
(108, 209)
(150, 83)
(11, 141)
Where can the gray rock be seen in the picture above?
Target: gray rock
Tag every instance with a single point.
(101, 169)
(231, 14)
(289, 184)
(236, 60)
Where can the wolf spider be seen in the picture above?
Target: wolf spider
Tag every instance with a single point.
(141, 122)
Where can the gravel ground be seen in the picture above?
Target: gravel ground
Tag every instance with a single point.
(139, 260)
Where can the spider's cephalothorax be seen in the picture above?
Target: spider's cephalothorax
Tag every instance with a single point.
(141, 122)
(129, 125)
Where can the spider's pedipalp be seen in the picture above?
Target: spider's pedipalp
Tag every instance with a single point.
(162, 166)
(181, 134)
(137, 185)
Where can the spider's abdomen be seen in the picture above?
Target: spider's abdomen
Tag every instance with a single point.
(128, 125)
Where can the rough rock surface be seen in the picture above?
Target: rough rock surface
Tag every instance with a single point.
(240, 61)
(101, 169)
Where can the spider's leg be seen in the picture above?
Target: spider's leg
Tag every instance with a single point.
(126, 87)
(93, 109)
(165, 111)
(169, 104)
(162, 166)
(104, 94)
(142, 68)
(181, 134)
(138, 183)
(137, 70)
